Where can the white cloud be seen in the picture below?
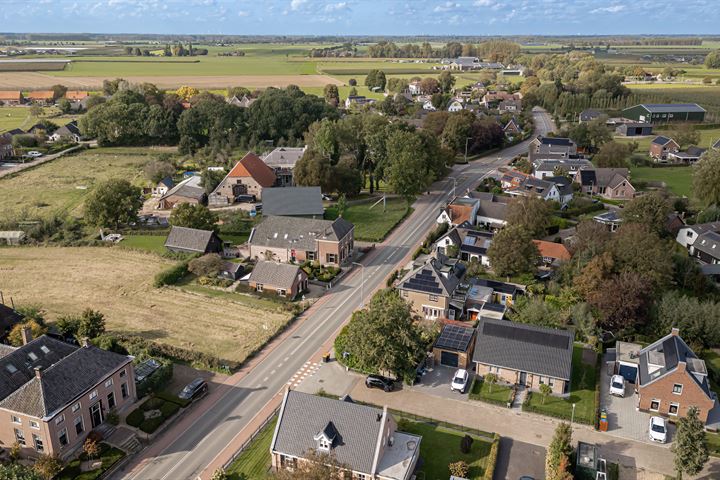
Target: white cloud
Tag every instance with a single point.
(297, 4)
(483, 3)
(243, 13)
(446, 7)
(610, 9)
(336, 7)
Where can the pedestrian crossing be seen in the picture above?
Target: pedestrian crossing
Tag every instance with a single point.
(307, 370)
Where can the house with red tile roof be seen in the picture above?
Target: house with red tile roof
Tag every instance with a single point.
(248, 177)
(45, 96)
(552, 253)
(11, 97)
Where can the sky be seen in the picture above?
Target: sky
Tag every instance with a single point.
(363, 17)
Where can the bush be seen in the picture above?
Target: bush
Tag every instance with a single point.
(135, 418)
(171, 275)
(168, 409)
(157, 380)
(459, 469)
(152, 404)
(492, 460)
(151, 424)
(169, 397)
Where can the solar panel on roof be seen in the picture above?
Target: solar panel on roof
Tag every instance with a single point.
(524, 335)
(454, 337)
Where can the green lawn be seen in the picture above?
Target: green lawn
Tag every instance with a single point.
(713, 442)
(484, 392)
(440, 447)
(678, 179)
(148, 243)
(249, 300)
(109, 455)
(582, 394)
(372, 224)
(712, 360)
(19, 117)
(254, 462)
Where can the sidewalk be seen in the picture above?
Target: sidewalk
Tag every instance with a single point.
(530, 428)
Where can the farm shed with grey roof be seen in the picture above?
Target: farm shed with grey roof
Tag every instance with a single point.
(665, 112)
(192, 240)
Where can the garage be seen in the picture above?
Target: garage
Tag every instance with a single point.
(453, 346)
(629, 372)
(449, 359)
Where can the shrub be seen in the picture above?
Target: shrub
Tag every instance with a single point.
(171, 275)
(135, 418)
(459, 469)
(151, 424)
(466, 444)
(492, 459)
(169, 397)
(152, 404)
(168, 409)
(157, 380)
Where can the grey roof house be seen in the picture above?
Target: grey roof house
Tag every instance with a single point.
(524, 354)
(293, 202)
(282, 278)
(193, 240)
(282, 160)
(362, 438)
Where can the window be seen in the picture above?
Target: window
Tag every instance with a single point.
(59, 419)
(20, 437)
(79, 427)
(551, 382)
(430, 312)
(93, 395)
(63, 437)
(259, 287)
(674, 407)
(123, 373)
(677, 389)
(124, 390)
(433, 298)
(288, 462)
(361, 476)
(109, 382)
(111, 400)
(34, 424)
(331, 258)
(76, 407)
(309, 255)
(281, 292)
(16, 420)
(323, 444)
(655, 405)
(38, 442)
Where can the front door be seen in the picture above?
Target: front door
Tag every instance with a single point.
(96, 414)
(523, 378)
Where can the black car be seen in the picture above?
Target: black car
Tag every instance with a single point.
(194, 389)
(378, 381)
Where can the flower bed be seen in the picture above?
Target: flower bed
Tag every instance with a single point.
(108, 455)
(154, 412)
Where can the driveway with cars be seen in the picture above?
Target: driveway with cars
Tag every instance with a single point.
(436, 381)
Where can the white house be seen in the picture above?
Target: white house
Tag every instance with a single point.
(455, 105)
(687, 235)
(428, 106)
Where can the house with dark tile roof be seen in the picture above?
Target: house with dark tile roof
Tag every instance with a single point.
(283, 279)
(250, 176)
(297, 239)
(611, 183)
(282, 160)
(660, 146)
(193, 240)
(524, 354)
(189, 191)
(364, 439)
(293, 202)
(430, 289)
(671, 379)
(589, 115)
(54, 394)
(689, 156)
(470, 244)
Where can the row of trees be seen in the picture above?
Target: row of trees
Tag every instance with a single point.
(493, 50)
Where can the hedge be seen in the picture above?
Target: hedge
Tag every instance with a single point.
(492, 459)
(172, 275)
(152, 424)
(135, 418)
(168, 409)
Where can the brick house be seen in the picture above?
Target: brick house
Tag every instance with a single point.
(363, 439)
(671, 379)
(297, 239)
(524, 354)
(429, 289)
(6, 147)
(189, 191)
(610, 183)
(11, 98)
(248, 177)
(42, 97)
(52, 394)
(660, 147)
(283, 279)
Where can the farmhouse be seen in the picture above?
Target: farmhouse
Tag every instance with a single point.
(660, 146)
(297, 239)
(53, 393)
(665, 113)
(362, 438)
(611, 183)
(193, 240)
(12, 98)
(294, 202)
(76, 95)
(283, 279)
(282, 161)
(589, 115)
(188, 191)
(69, 133)
(523, 354)
(42, 97)
(248, 177)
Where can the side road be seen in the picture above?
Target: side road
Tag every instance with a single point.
(528, 428)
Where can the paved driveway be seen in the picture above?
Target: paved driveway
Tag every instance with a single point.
(436, 382)
(623, 419)
(516, 459)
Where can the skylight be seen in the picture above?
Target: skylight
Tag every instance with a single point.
(11, 368)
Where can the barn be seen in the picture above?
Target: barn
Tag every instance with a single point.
(665, 113)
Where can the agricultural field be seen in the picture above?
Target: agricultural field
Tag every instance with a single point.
(20, 117)
(118, 283)
(61, 185)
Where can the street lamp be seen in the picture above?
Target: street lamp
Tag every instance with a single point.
(362, 284)
(572, 417)
(454, 179)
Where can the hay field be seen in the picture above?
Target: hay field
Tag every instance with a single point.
(118, 282)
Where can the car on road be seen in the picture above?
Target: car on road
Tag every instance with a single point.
(34, 154)
(378, 381)
(658, 429)
(460, 380)
(195, 389)
(617, 385)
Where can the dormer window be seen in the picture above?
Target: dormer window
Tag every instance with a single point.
(326, 437)
(324, 444)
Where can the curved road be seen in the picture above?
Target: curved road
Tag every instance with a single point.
(189, 446)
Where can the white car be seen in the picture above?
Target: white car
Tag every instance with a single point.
(658, 429)
(617, 385)
(34, 154)
(460, 381)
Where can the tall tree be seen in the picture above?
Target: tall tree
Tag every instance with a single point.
(531, 213)
(407, 173)
(331, 94)
(113, 203)
(446, 81)
(637, 249)
(690, 445)
(193, 216)
(650, 210)
(513, 252)
(613, 155)
(685, 135)
(706, 178)
(91, 324)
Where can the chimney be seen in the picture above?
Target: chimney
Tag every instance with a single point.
(38, 372)
(26, 335)
(85, 342)
(675, 331)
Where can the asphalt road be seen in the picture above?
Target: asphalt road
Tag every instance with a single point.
(193, 449)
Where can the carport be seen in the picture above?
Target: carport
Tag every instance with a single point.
(453, 348)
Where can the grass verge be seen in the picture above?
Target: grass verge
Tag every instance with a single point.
(254, 462)
(495, 394)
